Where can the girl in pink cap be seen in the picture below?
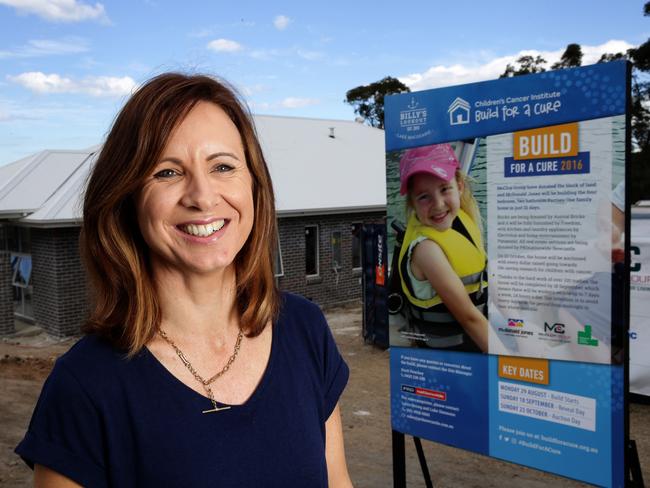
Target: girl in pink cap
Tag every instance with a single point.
(442, 261)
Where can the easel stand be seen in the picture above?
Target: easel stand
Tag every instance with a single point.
(399, 461)
(634, 475)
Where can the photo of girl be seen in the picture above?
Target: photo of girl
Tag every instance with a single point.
(442, 262)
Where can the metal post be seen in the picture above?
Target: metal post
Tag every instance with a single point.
(399, 460)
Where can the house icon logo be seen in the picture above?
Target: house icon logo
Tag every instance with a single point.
(459, 112)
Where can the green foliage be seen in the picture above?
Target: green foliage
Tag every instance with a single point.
(368, 100)
(527, 65)
(607, 57)
(571, 58)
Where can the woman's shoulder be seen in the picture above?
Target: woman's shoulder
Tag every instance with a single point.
(93, 363)
(297, 304)
(301, 318)
(90, 349)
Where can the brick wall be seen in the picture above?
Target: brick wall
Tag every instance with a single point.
(60, 300)
(60, 290)
(6, 295)
(327, 288)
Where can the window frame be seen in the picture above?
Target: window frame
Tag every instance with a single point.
(352, 235)
(317, 250)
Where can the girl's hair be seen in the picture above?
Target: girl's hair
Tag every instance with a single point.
(467, 200)
(125, 304)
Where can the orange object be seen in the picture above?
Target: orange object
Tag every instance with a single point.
(531, 370)
(554, 141)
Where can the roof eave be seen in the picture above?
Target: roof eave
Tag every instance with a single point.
(331, 211)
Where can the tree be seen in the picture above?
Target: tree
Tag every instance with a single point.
(368, 100)
(527, 65)
(571, 57)
(607, 57)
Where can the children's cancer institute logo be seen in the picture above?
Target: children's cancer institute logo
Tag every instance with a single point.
(459, 112)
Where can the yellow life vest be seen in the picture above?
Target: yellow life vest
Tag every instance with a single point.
(468, 259)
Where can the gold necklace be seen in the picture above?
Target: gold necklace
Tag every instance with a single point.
(206, 383)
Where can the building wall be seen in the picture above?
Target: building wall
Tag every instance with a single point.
(58, 278)
(329, 287)
(6, 295)
(60, 291)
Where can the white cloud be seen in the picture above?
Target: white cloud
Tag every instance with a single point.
(97, 86)
(225, 46)
(47, 47)
(309, 55)
(293, 102)
(59, 10)
(456, 74)
(281, 22)
(250, 90)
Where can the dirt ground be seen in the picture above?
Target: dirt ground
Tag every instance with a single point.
(26, 361)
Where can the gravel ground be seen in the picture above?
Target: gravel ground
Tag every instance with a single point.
(26, 361)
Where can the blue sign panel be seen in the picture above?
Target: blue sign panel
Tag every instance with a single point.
(534, 375)
(547, 166)
(441, 395)
(571, 427)
(505, 105)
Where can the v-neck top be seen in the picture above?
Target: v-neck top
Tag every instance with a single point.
(105, 420)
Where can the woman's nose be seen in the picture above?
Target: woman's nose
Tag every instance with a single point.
(200, 193)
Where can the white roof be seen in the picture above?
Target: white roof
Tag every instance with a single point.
(312, 172)
(315, 173)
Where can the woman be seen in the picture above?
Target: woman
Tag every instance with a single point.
(195, 371)
(442, 262)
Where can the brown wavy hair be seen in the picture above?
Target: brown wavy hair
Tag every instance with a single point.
(125, 306)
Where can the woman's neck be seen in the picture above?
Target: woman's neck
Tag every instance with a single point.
(197, 306)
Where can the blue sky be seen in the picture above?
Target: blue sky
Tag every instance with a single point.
(67, 66)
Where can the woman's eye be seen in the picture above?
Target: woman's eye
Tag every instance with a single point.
(223, 168)
(165, 173)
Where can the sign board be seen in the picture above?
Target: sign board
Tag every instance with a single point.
(521, 358)
(640, 302)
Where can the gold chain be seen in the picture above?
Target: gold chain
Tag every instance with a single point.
(206, 383)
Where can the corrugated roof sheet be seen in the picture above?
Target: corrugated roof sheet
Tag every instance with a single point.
(312, 172)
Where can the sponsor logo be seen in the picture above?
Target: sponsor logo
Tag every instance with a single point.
(414, 118)
(425, 392)
(555, 328)
(584, 337)
(515, 328)
(515, 323)
(459, 112)
(555, 332)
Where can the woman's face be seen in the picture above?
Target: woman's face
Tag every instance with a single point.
(195, 209)
(436, 202)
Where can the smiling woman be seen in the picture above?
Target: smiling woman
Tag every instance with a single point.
(195, 370)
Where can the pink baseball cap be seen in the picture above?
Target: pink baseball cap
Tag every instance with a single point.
(438, 160)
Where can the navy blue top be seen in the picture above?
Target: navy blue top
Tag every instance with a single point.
(103, 420)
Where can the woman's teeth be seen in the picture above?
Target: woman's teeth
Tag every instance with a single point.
(203, 230)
